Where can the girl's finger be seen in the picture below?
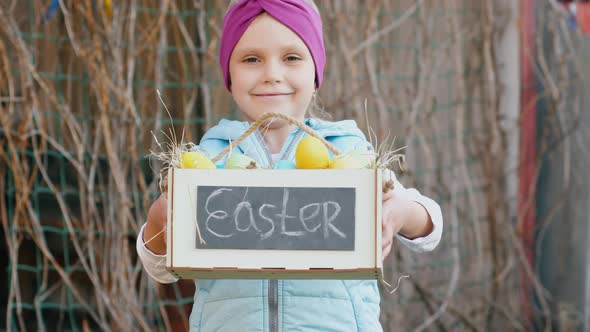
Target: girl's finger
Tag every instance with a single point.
(385, 252)
(387, 196)
(387, 232)
(386, 242)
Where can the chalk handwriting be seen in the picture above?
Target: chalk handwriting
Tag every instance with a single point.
(265, 220)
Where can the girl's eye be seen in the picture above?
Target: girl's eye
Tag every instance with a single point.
(251, 60)
(292, 58)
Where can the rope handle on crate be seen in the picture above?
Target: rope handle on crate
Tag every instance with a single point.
(266, 116)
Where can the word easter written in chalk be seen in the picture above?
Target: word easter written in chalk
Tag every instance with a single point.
(276, 218)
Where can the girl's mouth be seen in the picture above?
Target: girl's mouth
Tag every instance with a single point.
(272, 94)
(272, 97)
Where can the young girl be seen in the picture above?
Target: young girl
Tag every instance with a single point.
(272, 57)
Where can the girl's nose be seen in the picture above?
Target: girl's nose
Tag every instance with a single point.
(273, 72)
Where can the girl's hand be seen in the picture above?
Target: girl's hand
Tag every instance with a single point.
(401, 215)
(392, 220)
(154, 234)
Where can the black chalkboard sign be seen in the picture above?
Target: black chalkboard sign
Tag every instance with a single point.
(234, 217)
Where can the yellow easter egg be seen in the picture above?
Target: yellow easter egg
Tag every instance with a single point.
(311, 153)
(193, 159)
(353, 160)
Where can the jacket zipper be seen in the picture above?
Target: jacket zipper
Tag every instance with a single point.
(273, 305)
(273, 284)
(291, 144)
(287, 151)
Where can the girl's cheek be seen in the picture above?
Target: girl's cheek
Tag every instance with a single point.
(304, 76)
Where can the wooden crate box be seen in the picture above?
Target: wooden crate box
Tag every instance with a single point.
(275, 224)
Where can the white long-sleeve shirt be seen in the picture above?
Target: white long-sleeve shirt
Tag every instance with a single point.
(155, 265)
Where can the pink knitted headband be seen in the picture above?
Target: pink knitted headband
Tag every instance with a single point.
(297, 15)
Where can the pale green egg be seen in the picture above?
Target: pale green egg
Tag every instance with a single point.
(240, 161)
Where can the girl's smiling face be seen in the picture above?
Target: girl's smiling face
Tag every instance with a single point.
(271, 70)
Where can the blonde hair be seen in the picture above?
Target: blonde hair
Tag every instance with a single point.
(316, 108)
(309, 2)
